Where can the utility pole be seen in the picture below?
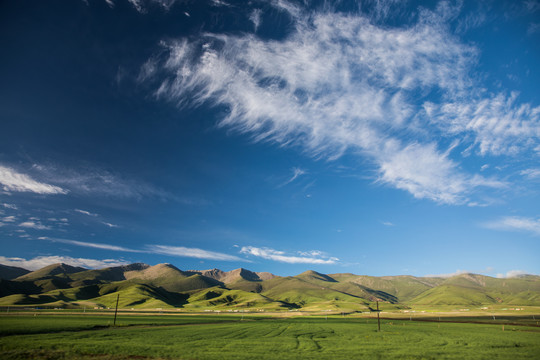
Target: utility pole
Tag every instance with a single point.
(116, 310)
(378, 319)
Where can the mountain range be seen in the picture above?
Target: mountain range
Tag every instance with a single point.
(141, 286)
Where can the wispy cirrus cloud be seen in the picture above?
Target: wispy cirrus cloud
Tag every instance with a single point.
(339, 83)
(499, 124)
(88, 213)
(311, 257)
(255, 18)
(83, 181)
(85, 212)
(100, 182)
(90, 244)
(89, 180)
(42, 261)
(192, 253)
(12, 180)
(531, 173)
(515, 223)
(180, 251)
(296, 173)
(143, 5)
(109, 224)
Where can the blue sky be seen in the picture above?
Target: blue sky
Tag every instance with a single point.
(372, 137)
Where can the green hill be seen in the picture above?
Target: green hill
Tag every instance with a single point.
(165, 286)
(474, 289)
(116, 273)
(50, 271)
(224, 299)
(403, 287)
(453, 295)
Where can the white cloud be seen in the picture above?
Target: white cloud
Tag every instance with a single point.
(92, 181)
(512, 274)
(191, 252)
(513, 223)
(85, 212)
(142, 5)
(296, 173)
(339, 83)
(9, 219)
(311, 253)
(109, 224)
(220, 3)
(531, 173)
(89, 244)
(313, 257)
(471, 21)
(426, 173)
(499, 124)
(255, 18)
(11, 180)
(154, 249)
(42, 261)
(10, 206)
(387, 223)
(36, 225)
(137, 4)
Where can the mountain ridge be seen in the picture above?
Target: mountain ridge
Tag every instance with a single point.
(166, 286)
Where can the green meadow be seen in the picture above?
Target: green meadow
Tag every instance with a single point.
(86, 336)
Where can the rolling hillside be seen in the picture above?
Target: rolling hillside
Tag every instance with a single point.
(141, 286)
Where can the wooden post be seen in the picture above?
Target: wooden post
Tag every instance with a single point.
(378, 319)
(116, 310)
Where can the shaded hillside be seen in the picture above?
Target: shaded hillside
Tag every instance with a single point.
(11, 272)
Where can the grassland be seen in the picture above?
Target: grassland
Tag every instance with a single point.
(234, 336)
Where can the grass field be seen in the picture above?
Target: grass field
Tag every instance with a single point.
(86, 336)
